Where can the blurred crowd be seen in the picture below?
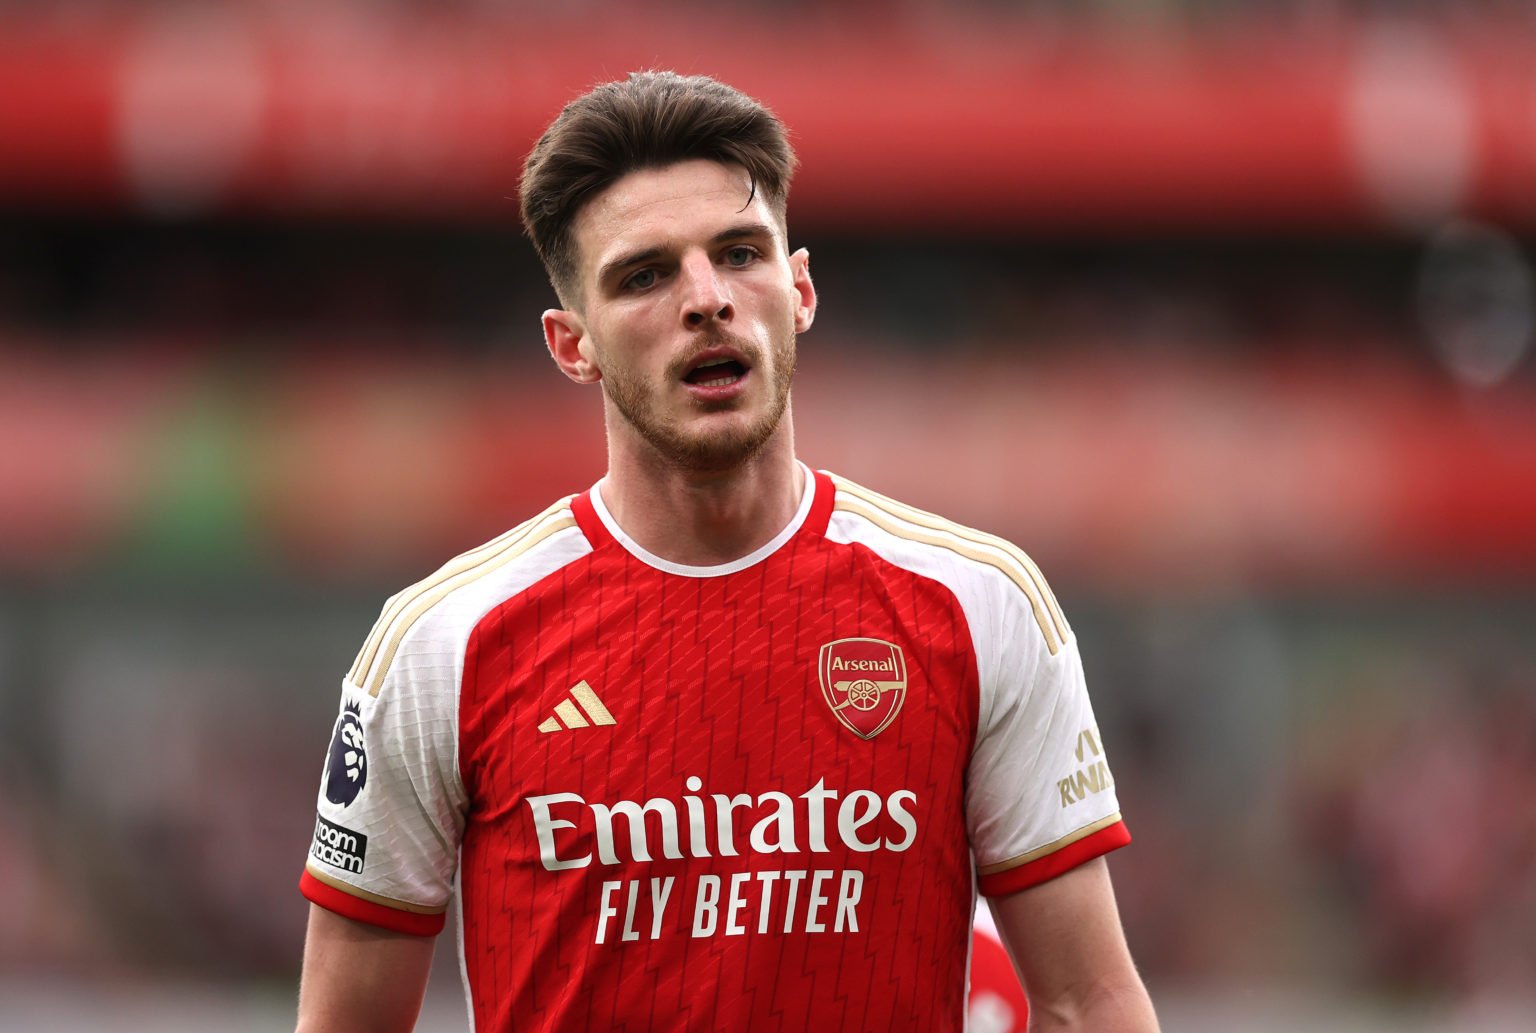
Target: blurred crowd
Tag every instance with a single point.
(1326, 781)
(1114, 16)
(1417, 807)
(1326, 758)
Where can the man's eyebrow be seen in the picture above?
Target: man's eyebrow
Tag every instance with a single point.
(741, 231)
(632, 258)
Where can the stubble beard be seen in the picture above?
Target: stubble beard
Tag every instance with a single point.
(700, 451)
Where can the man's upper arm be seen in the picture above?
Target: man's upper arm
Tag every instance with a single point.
(388, 818)
(1065, 939)
(360, 978)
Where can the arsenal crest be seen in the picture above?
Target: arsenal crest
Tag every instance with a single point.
(864, 681)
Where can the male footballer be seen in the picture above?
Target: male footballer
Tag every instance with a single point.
(722, 742)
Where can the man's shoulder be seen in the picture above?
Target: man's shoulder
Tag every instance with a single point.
(984, 568)
(853, 497)
(439, 612)
(859, 507)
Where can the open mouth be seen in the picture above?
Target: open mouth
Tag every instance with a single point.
(719, 371)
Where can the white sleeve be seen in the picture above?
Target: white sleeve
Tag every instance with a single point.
(391, 806)
(1041, 798)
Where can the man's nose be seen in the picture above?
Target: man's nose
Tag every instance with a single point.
(706, 298)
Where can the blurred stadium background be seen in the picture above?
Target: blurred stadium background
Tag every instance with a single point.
(1223, 308)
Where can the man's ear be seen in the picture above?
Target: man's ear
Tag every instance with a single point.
(566, 336)
(805, 306)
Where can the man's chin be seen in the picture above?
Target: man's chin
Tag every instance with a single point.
(717, 452)
(711, 443)
(703, 438)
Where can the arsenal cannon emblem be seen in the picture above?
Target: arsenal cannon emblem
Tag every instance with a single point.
(864, 681)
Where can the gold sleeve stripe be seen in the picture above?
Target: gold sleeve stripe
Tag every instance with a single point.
(373, 898)
(459, 564)
(902, 529)
(1050, 848)
(424, 602)
(938, 523)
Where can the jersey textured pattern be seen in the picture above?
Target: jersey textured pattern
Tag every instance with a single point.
(757, 796)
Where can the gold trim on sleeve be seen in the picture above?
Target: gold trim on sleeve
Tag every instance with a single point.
(888, 522)
(372, 898)
(460, 564)
(428, 599)
(1050, 848)
(937, 523)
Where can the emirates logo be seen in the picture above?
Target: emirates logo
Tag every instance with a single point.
(864, 681)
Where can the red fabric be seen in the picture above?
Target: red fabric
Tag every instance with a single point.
(360, 910)
(997, 1002)
(715, 678)
(1064, 860)
(821, 506)
(587, 520)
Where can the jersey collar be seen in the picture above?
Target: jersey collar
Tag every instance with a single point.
(808, 497)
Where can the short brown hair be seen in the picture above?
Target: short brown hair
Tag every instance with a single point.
(650, 120)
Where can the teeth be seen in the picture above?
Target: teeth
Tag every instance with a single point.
(721, 382)
(712, 362)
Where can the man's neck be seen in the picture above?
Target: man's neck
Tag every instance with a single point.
(705, 519)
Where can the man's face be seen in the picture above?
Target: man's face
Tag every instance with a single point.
(689, 309)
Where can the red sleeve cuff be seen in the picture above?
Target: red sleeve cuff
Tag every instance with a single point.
(358, 909)
(1043, 869)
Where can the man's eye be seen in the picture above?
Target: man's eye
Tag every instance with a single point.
(640, 280)
(740, 255)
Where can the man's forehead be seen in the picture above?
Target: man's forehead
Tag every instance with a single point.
(687, 180)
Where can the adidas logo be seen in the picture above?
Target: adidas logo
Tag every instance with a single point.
(569, 715)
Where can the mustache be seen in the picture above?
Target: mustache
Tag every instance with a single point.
(712, 339)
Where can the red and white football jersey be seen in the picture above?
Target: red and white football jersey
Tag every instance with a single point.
(757, 797)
